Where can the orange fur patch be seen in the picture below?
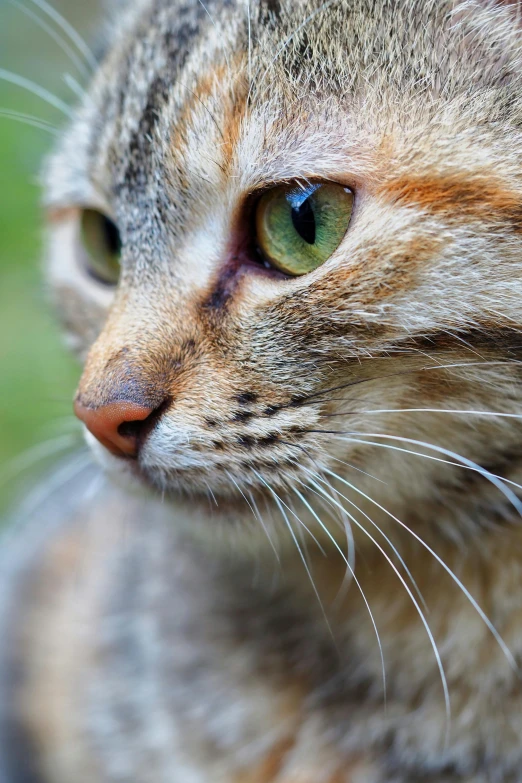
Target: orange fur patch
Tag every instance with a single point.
(455, 197)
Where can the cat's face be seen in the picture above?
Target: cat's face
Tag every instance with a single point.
(260, 330)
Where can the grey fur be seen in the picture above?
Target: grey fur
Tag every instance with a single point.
(201, 658)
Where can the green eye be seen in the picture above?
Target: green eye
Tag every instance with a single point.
(298, 228)
(102, 242)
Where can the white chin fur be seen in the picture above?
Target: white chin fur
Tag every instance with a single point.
(118, 470)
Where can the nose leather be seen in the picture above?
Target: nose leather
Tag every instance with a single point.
(105, 422)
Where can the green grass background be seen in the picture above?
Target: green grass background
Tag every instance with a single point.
(37, 376)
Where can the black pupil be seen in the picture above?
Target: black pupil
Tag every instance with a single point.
(112, 237)
(303, 219)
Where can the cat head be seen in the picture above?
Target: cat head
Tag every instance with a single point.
(276, 229)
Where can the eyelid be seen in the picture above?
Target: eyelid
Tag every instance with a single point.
(66, 210)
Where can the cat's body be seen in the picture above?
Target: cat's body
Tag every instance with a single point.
(165, 642)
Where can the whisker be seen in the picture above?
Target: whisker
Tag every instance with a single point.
(305, 527)
(36, 454)
(35, 89)
(296, 542)
(503, 646)
(255, 511)
(29, 119)
(57, 38)
(345, 523)
(491, 477)
(495, 414)
(467, 344)
(376, 526)
(430, 457)
(353, 467)
(212, 117)
(424, 368)
(39, 496)
(262, 522)
(342, 522)
(347, 527)
(420, 613)
(75, 86)
(211, 493)
(352, 572)
(69, 30)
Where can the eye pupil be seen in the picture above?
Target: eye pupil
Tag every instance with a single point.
(112, 236)
(303, 219)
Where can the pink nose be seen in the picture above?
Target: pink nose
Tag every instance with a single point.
(106, 424)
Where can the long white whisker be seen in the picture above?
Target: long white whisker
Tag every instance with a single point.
(211, 493)
(348, 532)
(497, 482)
(359, 470)
(57, 38)
(431, 457)
(453, 365)
(296, 542)
(419, 611)
(347, 528)
(61, 477)
(304, 527)
(352, 572)
(29, 119)
(376, 526)
(75, 86)
(503, 646)
(35, 89)
(262, 523)
(67, 27)
(255, 511)
(494, 414)
(35, 454)
(345, 522)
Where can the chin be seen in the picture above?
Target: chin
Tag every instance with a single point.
(191, 503)
(122, 472)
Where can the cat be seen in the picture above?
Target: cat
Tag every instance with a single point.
(285, 238)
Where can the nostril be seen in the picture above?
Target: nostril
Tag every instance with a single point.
(120, 426)
(131, 429)
(138, 429)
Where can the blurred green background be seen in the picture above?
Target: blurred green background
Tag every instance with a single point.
(37, 376)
